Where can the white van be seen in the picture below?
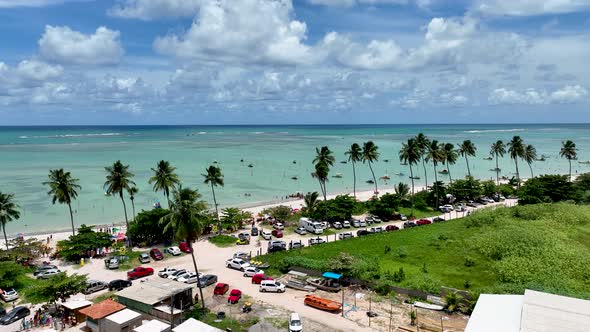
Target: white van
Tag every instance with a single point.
(272, 286)
(311, 226)
(295, 323)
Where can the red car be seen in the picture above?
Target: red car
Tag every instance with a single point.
(184, 247)
(220, 289)
(390, 228)
(423, 222)
(257, 278)
(277, 233)
(234, 296)
(156, 254)
(139, 272)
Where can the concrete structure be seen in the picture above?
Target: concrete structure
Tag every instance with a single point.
(153, 325)
(191, 325)
(532, 312)
(96, 314)
(73, 307)
(122, 321)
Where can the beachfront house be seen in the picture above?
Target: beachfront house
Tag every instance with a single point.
(96, 314)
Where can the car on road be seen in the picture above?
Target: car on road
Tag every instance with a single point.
(234, 296)
(362, 223)
(266, 235)
(438, 219)
(48, 274)
(220, 289)
(184, 247)
(240, 254)
(174, 275)
(44, 268)
(259, 277)
(15, 314)
(337, 225)
(189, 277)
(391, 228)
(166, 271)
(278, 225)
(174, 251)
(296, 244)
(346, 224)
(111, 263)
(315, 241)
(300, 230)
(295, 323)
(140, 272)
(277, 233)
(376, 229)
(345, 235)
(254, 231)
(237, 264)
(423, 221)
(363, 232)
(119, 284)
(271, 286)
(207, 279)
(9, 295)
(251, 271)
(144, 258)
(356, 223)
(409, 224)
(156, 254)
(93, 286)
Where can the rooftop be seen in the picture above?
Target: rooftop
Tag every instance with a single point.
(102, 309)
(76, 304)
(153, 325)
(152, 291)
(191, 325)
(123, 316)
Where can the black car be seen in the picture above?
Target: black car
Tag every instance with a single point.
(14, 315)
(409, 224)
(363, 232)
(119, 284)
(254, 231)
(207, 279)
(438, 219)
(272, 249)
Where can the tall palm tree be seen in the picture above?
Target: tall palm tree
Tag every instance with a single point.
(370, 155)
(402, 190)
(187, 217)
(355, 155)
(64, 189)
(132, 191)
(498, 149)
(530, 154)
(118, 181)
(516, 150)
(164, 178)
(322, 161)
(311, 200)
(467, 149)
(436, 155)
(214, 178)
(569, 152)
(450, 157)
(321, 173)
(423, 142)
(8, 212)
(410, 153)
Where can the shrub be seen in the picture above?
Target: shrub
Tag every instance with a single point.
(469, 262)
(466, 284)
(387, 249)
(399, 275)
(223, 240)
(401, 252)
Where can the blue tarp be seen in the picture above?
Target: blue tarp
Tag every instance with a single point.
(331, 275)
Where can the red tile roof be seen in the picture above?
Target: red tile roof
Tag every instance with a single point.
(102, 309)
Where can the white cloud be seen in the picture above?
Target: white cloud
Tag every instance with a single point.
(154, 9)
(64, 45)
(37, 70)
(569, 94)
(530, 7)
(531, 96)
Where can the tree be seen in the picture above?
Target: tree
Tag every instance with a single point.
(385, 206)
(83, 243)
(187, 217)
(436, 155)
(322, 162)
(132, 191)
(546, 189)
(410, 154)
(338, 209)
(60, 287)
(63, 189)
(214, 177)
(321, 173)
(280, 213)
(530, 154)
(467, 149)
(146, 228)
(355, 155)
(402, 190)
(310, 200)
(466, 189)
(164, 178)
(9, 211)
(370, 155)
(516, 150)
(450, 157)
(118, 181)
(569, 152)
(498, 149)
(234, 218)
(422, 141)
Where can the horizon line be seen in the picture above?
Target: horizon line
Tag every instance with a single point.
(293, 124)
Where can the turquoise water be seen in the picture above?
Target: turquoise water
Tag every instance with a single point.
(27, 153)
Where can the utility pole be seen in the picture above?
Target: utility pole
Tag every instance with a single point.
(342, 290)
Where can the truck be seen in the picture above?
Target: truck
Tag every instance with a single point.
(237, 263)
(311, 226)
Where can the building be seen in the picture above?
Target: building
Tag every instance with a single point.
(123, 321)
(532, 312)
(191, 325)
(96, 314)
(72, 308)
(153, 325)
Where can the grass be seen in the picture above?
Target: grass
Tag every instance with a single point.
(223, 241)
(234, 324)
(130, 263)
(278, 322)
(541, 247)
(419, 213)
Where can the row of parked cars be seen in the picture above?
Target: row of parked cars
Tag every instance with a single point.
(267, 284)
(187, 277)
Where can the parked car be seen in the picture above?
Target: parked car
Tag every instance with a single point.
(446, 208)
(377, 220)
(324, 224)
(140, 272)
(144, 258)
(251, 271)
(390, 228)
(111, 263)
(317, 240)
(460, 207)
(220, 289)
(207, 279)
(278, 225)
(44, 268)
(362, 223)
(242, 255)
(166, 271)
(272, 249)
(244, 236)
(14, 315)
(409, 224)
(356, 223)
(438, 219)
(296, 244)
(482, 201)
(174, 275)
(174, 251)
(254, 231)
(376, 229)
(2, 312)
(93, 286)
(9, 295)
(300, 230)
(403, 217)
(184, 247)
(259, 277)
(346, 224)
(234, 296)
(242, 239)
(295, 323)
(345, 235)
(277, 233)
(423, 221)
(369, 219)
(237, 264)
(363, 232)
(48, 274)
(337, 225)
(472, 204)
(266, 235)
(189, 277)
(272, 286)
(119, 284)
(156, 254)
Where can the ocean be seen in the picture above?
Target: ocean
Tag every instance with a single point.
(276, 154)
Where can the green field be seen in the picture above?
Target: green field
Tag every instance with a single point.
(541, 247)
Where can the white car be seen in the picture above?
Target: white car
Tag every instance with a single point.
(48, 274)
(278, 225)
(337, 225)
(9, 295)
(236, 263)
(357, 223)
(363, 223)
(241, 254)
(174, 251)
(272, 286)
(251, 271)
(295, 323)
(346, 224)
(266, 235)
(166, 271)
(301, 231)
(345, 235)
(175, 275)
(189, 277)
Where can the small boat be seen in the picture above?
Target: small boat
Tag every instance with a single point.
(495, 169)
(215, 161)
(241, 160)
(386, 160)
(322, 304)
(250, 165)
(404, 164)
(300, 285)
(415, 177)
(540, 159)
(585, 162)
(385, 177)
(370, 181)
(444, 171)
(294, 178)
(428, 306)
(487, 158)
(400, 174)
(337, 175)
(343, 162)
(294, 161)
(325, 284)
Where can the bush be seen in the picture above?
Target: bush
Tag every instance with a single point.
(82, 244)
(546, 189)
(469, 262)
(280, 213)
(338, 209)
(399, 275)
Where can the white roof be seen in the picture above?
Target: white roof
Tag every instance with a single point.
(191, 325)
(76, 304)
(542, 312)
(153, 325)
(166, 309)
(123, 316)
(495, 313)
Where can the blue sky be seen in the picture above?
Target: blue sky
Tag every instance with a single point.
(300, 61)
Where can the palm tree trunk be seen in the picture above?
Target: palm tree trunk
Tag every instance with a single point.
(467, 161)
(531, 168)
(72, 218)
(570, 161)
(168, 198)
(190, 245)
(374, 179)
(412, 178)
(435, 184)
(133, 208)
(425, 173)
(354, 180)
(126, 219)
(517, 174)
(216, 209)
(497, 172)
(5, 237)
(450, 178)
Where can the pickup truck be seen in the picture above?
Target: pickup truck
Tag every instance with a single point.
(166, 271)
(139, 272)
(111, 263)
(237, 263)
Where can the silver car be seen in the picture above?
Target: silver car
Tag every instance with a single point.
(9, 295)
(48, 274)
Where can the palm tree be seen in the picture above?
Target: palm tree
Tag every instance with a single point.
(321, 173)
(466, 149)
(402, 190)
(118, 181)
(322, 161)
(450, 157)
(187, 217)
(64, 189)
(355, 154)
(516, 150)
(569, 152)
(410, 153)
(132, 191)
(436, 155)
(164, 178)
(530, 154)
(423, 142)
(498, 149)
(311, 200)
(370, 155)
(214, 178)
(8, 212)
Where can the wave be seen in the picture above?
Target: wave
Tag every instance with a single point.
(493, 131)
(73, 135)
(258, 132)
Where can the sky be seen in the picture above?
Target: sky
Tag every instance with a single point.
(108, 62)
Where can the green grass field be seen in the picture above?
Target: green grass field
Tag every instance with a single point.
(223, 240)
(542, 247)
